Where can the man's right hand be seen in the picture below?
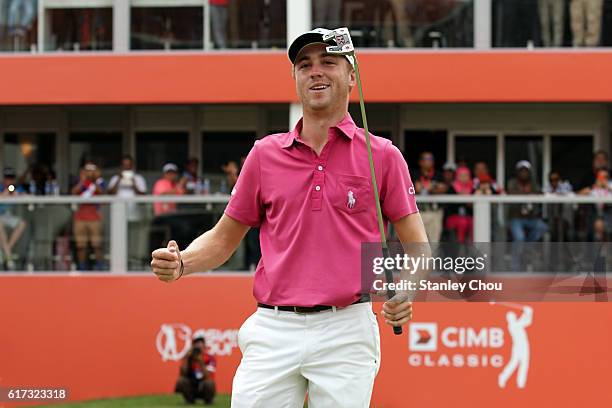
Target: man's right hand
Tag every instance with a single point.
(166, 263)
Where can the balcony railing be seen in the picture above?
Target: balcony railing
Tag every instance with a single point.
(129, 228)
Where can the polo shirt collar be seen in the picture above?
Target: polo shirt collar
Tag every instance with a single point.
(346, 127)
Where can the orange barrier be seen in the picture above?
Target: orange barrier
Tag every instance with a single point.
(265, 77)
(106, 336)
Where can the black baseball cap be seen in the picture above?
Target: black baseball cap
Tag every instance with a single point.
(310, 37)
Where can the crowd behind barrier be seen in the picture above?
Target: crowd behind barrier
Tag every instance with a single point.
(115, 224)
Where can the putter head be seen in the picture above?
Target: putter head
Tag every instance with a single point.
(342, 44)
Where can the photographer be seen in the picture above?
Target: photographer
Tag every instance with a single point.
(87, 225)
(197, 373)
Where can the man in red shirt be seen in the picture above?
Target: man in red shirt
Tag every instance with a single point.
(87, 226)
(197, 373)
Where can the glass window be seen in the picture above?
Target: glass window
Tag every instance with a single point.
(220, 147)
(18, 25)
(400, 23)
(571, 156)
(154, 149)
(32, 156)
(167, 28)
(256, 23)
(524, 148)
(472, 149)
(103, 148)
(419, 141)
(552, 23)
(79, 29)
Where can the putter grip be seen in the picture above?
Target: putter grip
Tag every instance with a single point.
(397, 330)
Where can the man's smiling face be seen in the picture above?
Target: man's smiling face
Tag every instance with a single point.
(322, 80)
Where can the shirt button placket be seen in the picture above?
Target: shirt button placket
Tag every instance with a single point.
(319, 183)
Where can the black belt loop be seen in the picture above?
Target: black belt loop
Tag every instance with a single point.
(311, 309)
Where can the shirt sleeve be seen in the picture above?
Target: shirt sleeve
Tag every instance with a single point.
(140, 182)
(397, 195)
(245, 203)
(114, 180)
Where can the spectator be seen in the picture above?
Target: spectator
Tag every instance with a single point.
(167, 185)
(525, 221)
(601, 232)
(87, 226)
(128, 184)
(197, 373)
(8, 219)
(190, 181)
(485, 185)
(586, 22)
(231, 174)
(428, 181)
(552, 11)
(448, 175)
(557, 185)
(600, 161)
(461, 220)
(559, 215)
(481, 170)
(602, 189)
(218, 19)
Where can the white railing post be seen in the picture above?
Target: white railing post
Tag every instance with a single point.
(482, 221)
(118, 237)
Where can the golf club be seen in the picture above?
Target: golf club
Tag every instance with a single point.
(344, 46)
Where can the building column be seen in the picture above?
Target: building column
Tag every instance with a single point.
(121, 26)
(299, 20)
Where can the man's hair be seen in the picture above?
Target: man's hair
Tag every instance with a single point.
(127, 157)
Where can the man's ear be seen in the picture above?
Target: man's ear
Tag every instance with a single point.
(352, 79)
(293, 71)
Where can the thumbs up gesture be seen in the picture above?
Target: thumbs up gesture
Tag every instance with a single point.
(166, 263)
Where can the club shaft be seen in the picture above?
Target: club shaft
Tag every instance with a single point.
(381, 225)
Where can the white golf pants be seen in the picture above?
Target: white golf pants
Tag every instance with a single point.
(333, 355)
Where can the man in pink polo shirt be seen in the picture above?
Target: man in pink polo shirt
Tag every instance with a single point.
(310, 193)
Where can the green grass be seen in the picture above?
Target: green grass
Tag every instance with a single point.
(149, 401)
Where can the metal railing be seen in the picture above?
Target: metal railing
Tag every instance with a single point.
(483, 211)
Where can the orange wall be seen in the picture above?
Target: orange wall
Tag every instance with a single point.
(244, 77)
(97, 335)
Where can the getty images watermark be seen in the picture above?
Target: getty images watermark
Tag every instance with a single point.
(481, 272)
(412, 265)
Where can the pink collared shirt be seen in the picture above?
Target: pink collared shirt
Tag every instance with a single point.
(315, 211)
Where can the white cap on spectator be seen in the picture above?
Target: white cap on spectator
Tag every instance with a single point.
(449, 166)
(523, 164)
(170, 167)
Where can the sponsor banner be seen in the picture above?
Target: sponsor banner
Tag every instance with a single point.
(107, 336)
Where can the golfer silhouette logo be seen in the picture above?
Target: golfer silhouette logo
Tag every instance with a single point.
(167, 344)
(351, 199)
(519, 359)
